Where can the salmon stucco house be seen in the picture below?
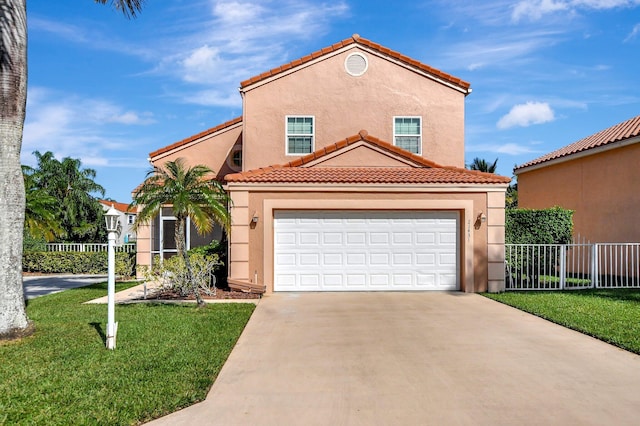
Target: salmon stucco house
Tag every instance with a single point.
(346, 172)
(596, 177)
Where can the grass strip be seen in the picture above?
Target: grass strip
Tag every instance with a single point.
(167, 358)
(611, 315)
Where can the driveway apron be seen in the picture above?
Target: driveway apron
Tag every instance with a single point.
(414, 358)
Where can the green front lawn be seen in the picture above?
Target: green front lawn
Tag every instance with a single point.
(609, 315)
(167, 357)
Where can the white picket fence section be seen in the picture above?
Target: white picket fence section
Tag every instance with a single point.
(572, 266)
(89, 247)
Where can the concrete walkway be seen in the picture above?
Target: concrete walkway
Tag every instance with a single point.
(414, 358)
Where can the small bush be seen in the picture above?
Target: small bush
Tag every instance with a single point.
(172, 273)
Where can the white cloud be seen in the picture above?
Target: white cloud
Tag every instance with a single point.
(536, 9)
(68, 125)
(498, 49)
(242, 39)
(525, 115)
(506, 148)
(633, 34)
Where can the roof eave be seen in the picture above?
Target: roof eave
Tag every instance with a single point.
(577, 155)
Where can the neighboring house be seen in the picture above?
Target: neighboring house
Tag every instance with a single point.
(597, 177)
(319, 204)
(127, 218)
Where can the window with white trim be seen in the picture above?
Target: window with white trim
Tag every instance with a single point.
(407, 133)
(130, 219)
(300, 135)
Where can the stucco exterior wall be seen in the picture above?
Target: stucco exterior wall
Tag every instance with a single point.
(343, 105)
(601, 189)
(251, 244)
(213, 151)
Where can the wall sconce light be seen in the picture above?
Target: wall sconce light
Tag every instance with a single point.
(480, 219)
(255, 218)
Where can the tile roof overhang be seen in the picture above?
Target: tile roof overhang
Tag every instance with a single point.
(353, 41)
(121, 207)
(613, 137)
(194, 138)
(425, 172)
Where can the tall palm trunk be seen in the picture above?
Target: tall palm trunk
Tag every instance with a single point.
(13, 84)
(181, 245)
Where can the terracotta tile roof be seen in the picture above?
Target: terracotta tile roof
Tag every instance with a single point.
(622, 131)
(121, 207)
(195, 137)
(426, 172)
(356, 39)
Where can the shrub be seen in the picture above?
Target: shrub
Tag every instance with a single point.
(529, 226)
(68, 262)
(172, 273)
(545, 226)
(219, 249)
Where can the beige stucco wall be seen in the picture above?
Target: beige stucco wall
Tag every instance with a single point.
(343, 105)
(601, 189)
(481, 250)
(213, 151)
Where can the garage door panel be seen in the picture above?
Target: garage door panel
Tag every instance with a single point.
(359, 250)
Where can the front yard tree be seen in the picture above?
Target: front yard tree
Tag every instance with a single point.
(193, 193)
(80, 214)
(13, 85)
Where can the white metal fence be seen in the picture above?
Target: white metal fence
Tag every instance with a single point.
(89, 247)
(572, 266)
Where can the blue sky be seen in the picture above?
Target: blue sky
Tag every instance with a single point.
(108, 90)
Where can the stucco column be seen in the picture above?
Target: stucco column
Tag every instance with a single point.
(495, 241)
(239, 238)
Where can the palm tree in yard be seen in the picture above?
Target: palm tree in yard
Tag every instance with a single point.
(481, 165)
(193, 193)
(40, 219)
(13, 88)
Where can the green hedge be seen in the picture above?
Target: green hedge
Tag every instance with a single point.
(58, 262)
(545, 226)
(528, 226)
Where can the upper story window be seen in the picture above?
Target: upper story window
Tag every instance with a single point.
(130, 219)
(300, 135)
(407, 133)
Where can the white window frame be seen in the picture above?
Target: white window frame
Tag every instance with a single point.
(131, 219)
(419, 135)
(287, 135)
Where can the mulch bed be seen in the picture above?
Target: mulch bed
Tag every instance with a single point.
(221, 293)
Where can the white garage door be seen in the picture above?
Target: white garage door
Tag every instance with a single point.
(365, 250)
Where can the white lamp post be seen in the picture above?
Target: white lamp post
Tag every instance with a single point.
(111, 218)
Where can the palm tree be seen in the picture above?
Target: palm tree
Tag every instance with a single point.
(482, 165)
(13, 88)
(71, 185)
(193, 193)
(40, 219)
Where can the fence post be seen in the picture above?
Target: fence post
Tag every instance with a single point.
(594, 265)
(563, 265)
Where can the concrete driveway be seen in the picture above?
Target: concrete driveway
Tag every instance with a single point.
(40, 285)
(414, 358)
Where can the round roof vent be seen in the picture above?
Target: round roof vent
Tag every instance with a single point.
(356, 64)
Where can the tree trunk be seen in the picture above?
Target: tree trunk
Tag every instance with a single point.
(13, 84)
(182, 249)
